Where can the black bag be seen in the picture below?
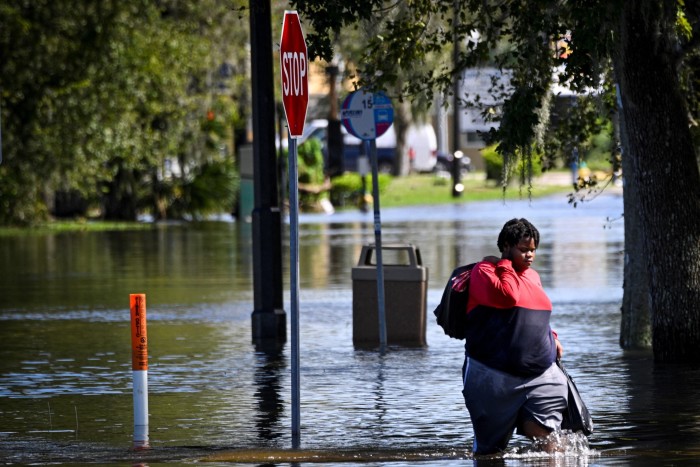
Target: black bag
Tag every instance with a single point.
(576, 416)
(451, 313)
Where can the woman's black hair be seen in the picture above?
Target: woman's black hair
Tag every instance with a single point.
(516, 230)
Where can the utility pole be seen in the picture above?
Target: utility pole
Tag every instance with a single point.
(269, 322)
(334, 162)
(457, 187)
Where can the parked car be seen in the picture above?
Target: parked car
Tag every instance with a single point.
(353, 147)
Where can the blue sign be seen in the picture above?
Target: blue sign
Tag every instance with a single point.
(367, 115)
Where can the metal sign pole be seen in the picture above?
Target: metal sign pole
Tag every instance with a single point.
(371, 149)
(295, 100)
(294, 285)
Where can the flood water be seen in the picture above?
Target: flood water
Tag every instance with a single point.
(65, 355)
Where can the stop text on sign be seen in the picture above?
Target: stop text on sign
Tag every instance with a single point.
(293, 73)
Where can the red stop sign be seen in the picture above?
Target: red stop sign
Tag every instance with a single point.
(294, 66)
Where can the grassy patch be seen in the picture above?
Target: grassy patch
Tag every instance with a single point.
(73, 226)
(429, 189)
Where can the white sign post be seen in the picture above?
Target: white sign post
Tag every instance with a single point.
(369, 115)
(295, 98)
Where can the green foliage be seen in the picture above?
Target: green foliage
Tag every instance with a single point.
(683, 27)
(409, 47)
(347, 189)
(98, 97)
(611, 44)
(213, 190)
(519, 165)
(311, 175)
(517, 36)
(493, 163)
(585, 123)
(599, 149)
(310, 165)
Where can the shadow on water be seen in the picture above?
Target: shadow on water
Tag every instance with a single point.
(65, 373)
(270, 366)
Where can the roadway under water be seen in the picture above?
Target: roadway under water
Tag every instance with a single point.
(65, 368)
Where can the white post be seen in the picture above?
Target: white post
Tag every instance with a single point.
(140, 409)
(139, 366)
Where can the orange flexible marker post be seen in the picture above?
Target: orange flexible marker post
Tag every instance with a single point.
(139, 366)
(139, 335)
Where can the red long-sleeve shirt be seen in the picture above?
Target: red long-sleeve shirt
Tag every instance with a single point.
(508, 319)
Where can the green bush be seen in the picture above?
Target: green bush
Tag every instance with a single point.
(310, 162)
(212, 190)
(346, 189)
(494, 164)
(598, 150)
(310, 173)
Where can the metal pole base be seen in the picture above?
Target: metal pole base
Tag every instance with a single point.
(269, 325)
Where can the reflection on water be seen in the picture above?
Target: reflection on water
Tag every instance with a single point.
(65, 375)
(268, 391)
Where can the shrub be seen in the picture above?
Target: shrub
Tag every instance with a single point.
(494, 164)
(310, 173)
(346, 189)
(212, 190)
(310, 162)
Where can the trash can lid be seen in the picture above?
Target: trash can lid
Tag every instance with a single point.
(393, 254)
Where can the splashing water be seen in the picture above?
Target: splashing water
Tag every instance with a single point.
(564, 447)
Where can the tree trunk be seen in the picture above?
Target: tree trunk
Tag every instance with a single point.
(402, 112)
(665, 173)
(119, 202)
(635, 322)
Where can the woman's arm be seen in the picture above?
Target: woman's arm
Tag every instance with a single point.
(560, 349)
(495, 284)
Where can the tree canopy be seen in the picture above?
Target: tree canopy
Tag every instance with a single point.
(409, 43)
(643, 52)
(116, 105)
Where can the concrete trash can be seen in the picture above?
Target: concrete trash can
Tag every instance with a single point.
(405, 297)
